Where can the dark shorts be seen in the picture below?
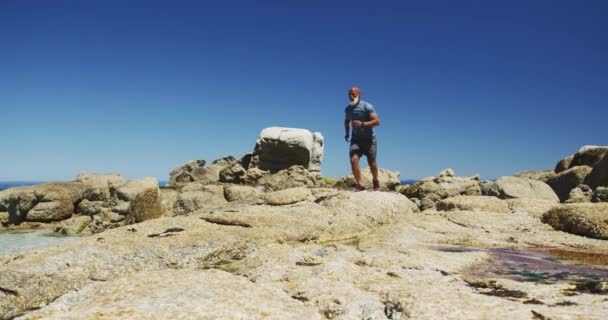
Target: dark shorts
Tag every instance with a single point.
(365, 147)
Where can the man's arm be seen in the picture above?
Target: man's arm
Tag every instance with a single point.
(374, 121)
(346, 128)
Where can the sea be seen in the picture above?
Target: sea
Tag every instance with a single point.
(12, 184)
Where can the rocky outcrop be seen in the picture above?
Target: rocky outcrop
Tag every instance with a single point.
(598, 177)
(430, 190)
(195, 170)
(43, 203)
(600, 194)
(513, 187)
(567, 180)
(536, 175)
(279, 148)
(241, 193)
(389, 180)
(343, 255)
(473, 203)
(197, 293)
(197, 196)
(584, 219)
(563, 164)
(588, 166)
(109, 200)
(579, 194)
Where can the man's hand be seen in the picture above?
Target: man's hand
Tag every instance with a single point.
(357, 123)
(346, 138)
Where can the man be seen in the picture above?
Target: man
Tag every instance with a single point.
(364, 118)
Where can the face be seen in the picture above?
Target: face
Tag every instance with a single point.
(353, 95)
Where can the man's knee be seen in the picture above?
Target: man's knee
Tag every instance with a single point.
(354, 159)
(372, 163)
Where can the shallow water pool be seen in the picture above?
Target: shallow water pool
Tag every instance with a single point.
(25, 240)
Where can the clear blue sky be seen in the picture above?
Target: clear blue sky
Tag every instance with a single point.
(139, 87)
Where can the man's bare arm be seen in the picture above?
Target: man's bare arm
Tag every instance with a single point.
(373, 122)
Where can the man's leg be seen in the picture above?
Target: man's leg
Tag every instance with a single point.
(373, 165)
(354, 163)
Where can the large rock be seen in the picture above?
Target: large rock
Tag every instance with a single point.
(600, 194)
(389, 180)
(536, 175)
(563, 164)
(74, 225)
(533, 207)
(288, 196)
(97, 187)
(432, 189)
(279, 148)
(198, 196)
(474, 203)
(195, 170)
(241, 193)
(193, 294)
(567, 180)
(43, 203)
(598, 176)
(584, 219)
(580, 194)
(513, 187)
(292, 177)
(589, 156)
(144, 197)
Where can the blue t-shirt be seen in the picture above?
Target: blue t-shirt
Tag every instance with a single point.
(361, 112)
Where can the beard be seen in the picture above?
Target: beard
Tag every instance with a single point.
(354, 102)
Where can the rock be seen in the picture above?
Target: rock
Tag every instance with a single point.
(563, 164)
(579, 194)
(195, 170)
(449, 172)
(233, 174)
(91, 208)
(200, 294)
(97, 186)
(133, 188)
(536, 175)
(584, 219)
(432, 189)
(204, 197)
(47, 202)
(600, 194)
(241, 193)
(533, 207)
(74, 225)
(473, 203)
(589, 156)
(598, 177)
(144, 197)
(182, 174)
(288, 196)
(567, 180)
(146, 205)
(168, 199)
(292, 177)
(317, 152)
(389, 180)
(120, 206)
(279, 148)
(50, 211)
(3, 218)
(514, 187)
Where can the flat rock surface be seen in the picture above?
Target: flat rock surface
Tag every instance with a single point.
(341, 255)
(177, 294)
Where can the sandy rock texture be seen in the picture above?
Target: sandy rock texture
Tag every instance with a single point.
(302, 254)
